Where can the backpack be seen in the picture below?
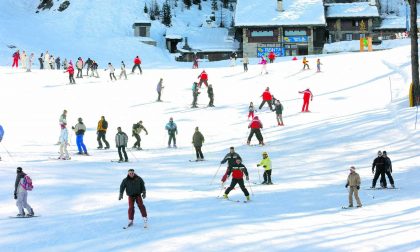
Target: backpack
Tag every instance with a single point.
(27, 183)
(105, 124)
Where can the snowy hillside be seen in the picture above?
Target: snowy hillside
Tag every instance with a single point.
(359, 107)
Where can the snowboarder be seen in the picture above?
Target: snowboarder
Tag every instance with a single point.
(318, 65)
(64, 142)
(137, 128)
(195, 93)
(271, 57)
(172, 131)
(136, 192)
(30, 62)
(88, 63)
(197, 141)
(1, 135)
(307, 94)
(80, 129)
(230, 158)
(159, 88)
(353, 181)
(23, 59)
(21, 194)
(255, 127)
(388, 170)
(101, 132)
(79, 66)
(123, 72)
(203, 79)
(379, 163)
(266, 164)
(251, 110)
(211, 95)
(245, 61)
(58, 62)
(94, 68)
(237, 170)
(195, 62)
(41, 61)
(267, 97)
(121, 140)
(70, 70)
(137, 63)
(278, 107)
(111, 71)
(16, 57)
(305, 63)
(263, 63)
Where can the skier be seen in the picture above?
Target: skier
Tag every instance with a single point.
(245, 61)
(1, 135)
(47, 60)
(21, 194)
(159, 88)
(388, 170)
(101, 132)
(61, 121)
(266, 164)
(123, 72)
(231, 159)
(79, 66)
(64, 141)
(136, 192)
(88, 63)
(137, 63)
(65, 64)
(121, 140)
(306, 95)
(137, 128)
(237, 170)
(111, 71)
(203, 79)
(30, 62)
(251, 110)
(52, 62)
(41, 61)
(16, 57)
(172, 131)
(353, 181)
(318, 65)
(70, 70)
(80, 129)
(278, 107)
(195, 93)
(271, 57)
(195, 62)
(197, 141)
(256, 127)
(94, 68)
(211, 95)
(58, 62)
(267, 97)
(23, 59)
(263, 63)
(305, 63)
(233, 57)
(379, 163)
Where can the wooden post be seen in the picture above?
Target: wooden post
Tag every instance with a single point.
(362, 45)
(370, 44)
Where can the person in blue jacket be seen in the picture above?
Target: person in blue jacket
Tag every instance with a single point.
(172, 131)
(1, 135)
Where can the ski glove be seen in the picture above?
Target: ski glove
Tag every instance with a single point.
(347, 185)
(15, 196)
(121, 196)
(143, 195)
(358, 187)
(258, 165)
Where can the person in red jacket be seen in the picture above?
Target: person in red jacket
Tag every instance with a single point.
(237, 170)
(267, 97)
(203, 79)
(307, 94)
(271, 56)
(256, 127)
(16, 57)
(70, 70)
(137, 63)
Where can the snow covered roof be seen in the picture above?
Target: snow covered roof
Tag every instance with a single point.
(264, 13)
(394, 22)
(358, 9)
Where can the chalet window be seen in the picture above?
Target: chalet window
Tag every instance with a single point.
(262, 33)
(362, 35)
(355, 23)
(142, 31)
(349, 36)
(295, 32)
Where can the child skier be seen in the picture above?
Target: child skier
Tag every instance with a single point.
(318, 65)
(64, 141)
(70, 70)
(245, 61)
(251, 110)
(263, 62)
(305, 63)
(21, 194)
(123, 72)
(353, 180)
(266, 164)
(238, 171)
(159, 88)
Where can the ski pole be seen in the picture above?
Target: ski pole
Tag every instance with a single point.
(417, 105)
(259, 177)
(250, 187)
(10, 155)
(221, 189)
(133, 155)
(215, 174)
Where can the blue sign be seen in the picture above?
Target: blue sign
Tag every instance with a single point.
(264, 51)
(296, 39)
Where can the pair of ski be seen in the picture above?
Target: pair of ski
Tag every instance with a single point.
(231, 200)
(118, 161)
(197, 160)
(131, 224)
(344, 207)
(380, 188)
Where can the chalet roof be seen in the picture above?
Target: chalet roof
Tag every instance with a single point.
(264, 13)
(348, 10)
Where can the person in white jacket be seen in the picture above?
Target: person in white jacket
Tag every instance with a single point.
(30, 62)
(64, 141)
(47, 60)
(111, 69)
(23, 59)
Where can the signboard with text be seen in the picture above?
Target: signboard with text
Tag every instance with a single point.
(296, 39)
(264, 51)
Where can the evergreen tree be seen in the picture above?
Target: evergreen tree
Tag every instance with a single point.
(152, 13)
(232, 22)
(214, 5)
(199, 6)
(225, 3)
(187, 3)
(166, 12)
(196, 2)
(156, 10)
(146, 10)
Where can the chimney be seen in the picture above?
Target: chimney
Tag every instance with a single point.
(280, 5)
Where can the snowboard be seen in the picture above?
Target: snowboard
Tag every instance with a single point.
(24, 217)
(232, 200)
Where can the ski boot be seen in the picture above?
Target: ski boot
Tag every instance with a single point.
(264, 183)
(106, 148)
(248, 198)
(225, 196)
(99, 147)
(31, 213)
(20, 215)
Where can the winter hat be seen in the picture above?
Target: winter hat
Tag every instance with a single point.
(256, 117)
(196, 128)
(80, 119)
(131, 170)
(384, 152)
(265, 153)
(19, 169)
(352, 168)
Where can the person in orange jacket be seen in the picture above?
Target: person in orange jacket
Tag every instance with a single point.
(305, 63)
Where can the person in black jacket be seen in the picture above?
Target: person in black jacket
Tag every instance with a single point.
(211, 95)
(88, 63)
(136, 192)
(231, 159)
(238, 170)
(379, 163)
(195, 93)
(388, 170)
